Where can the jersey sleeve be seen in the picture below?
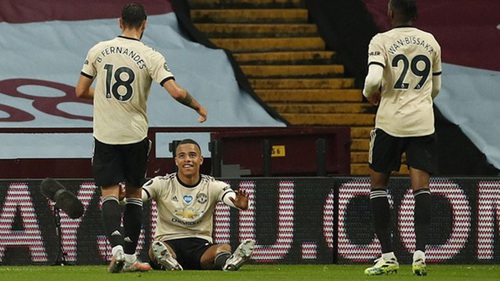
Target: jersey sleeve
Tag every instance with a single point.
(436, 71)
(221, 189)
(436, 65)
(88, 68)
(376, 53)
(373, 80)
(153, 187)
(158, 68)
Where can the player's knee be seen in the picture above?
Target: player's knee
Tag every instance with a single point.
(224, 248)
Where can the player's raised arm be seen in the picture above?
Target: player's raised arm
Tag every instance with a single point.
(237, 199)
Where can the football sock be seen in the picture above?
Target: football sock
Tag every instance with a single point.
(221, 258)
(111, 217)
(418, 255)
(388, 256)
(381, 218)
(422, 217)
(115, 249)
(130, 259)
(132, 223)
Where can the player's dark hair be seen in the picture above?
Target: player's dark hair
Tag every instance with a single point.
(133, 15)
(189, 141)
(407, 9)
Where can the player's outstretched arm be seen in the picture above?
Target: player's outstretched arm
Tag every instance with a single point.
(240, 200)
(183, 96)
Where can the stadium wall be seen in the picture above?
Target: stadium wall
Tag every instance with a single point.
(317, 220)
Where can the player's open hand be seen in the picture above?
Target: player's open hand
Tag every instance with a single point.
(241, 199)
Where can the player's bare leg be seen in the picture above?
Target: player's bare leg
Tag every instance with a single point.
(216, 256)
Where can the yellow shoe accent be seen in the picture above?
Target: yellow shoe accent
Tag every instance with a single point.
(419, 268)
(383, 267)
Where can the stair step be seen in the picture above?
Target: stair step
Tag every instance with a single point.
(246, 3)
(361, 132)
(329, 119)
(320, 107)
(359, 157)
(360, 144)
(225, 30)
(324, 83)
(292, 71)
(363, 169)
(308, 95)
(270, 44)
(249, 15)
(360, 169)
(286, 58)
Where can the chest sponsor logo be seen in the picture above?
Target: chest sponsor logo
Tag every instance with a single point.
(188, 213)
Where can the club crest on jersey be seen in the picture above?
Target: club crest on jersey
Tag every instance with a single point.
(187, 198)
(201, 198)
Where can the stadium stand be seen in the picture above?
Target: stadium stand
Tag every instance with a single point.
(288, 65)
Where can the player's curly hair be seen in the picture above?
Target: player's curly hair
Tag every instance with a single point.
(407, 9)
(133, 15)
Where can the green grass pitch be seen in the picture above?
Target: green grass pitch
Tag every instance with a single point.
(249, 273)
